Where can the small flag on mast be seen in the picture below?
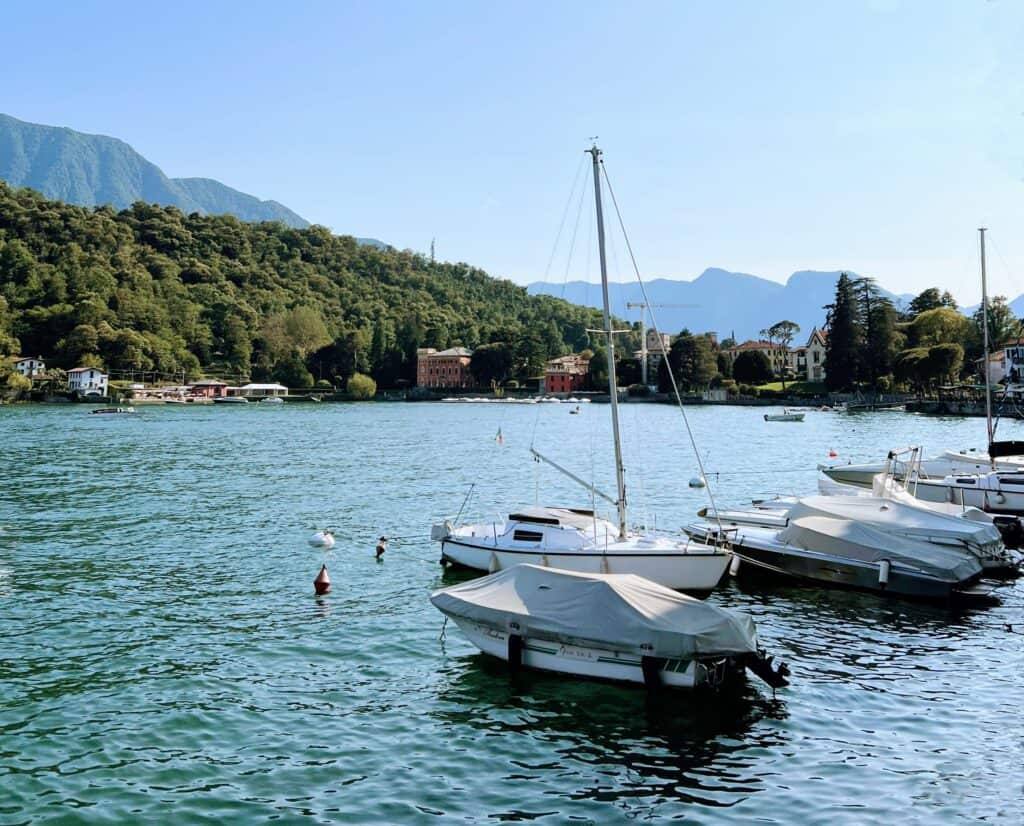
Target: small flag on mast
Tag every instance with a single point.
(499, 438)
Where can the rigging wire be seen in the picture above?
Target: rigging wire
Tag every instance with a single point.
(657, 329)
(561, 224)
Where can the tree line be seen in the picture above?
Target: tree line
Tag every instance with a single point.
(151, 288)
(874, 346)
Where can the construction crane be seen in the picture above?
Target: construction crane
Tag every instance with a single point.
(644, 306)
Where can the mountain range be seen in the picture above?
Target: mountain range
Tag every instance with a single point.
(732, 304)
(89, 170)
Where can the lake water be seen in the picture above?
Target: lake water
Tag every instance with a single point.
(163, 658)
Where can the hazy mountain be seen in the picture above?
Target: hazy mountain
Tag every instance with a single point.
(727, 302)
(94, 169)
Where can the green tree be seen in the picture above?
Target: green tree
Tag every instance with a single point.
(691, 360)
(843, 343)
(752, 367)
(492, 363)
(878, 328)
(930, 299)
(782, 333)
(942, 325)
(361, 388)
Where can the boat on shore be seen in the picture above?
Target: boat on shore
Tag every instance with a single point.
(615, 627)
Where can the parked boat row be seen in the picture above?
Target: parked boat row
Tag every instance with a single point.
(571, 591)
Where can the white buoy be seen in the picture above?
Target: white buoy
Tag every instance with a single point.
(322, 539)
(698, 482)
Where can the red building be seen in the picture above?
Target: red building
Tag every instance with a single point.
(209, 389)
(566, 374)
(448, 369)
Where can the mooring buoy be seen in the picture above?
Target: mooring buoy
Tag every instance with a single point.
(322, 583)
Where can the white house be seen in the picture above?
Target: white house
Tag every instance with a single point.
(29, 367)
(88, 381)
(258, 391)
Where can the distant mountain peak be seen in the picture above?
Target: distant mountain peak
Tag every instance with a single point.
(721, 301)
(89, 170)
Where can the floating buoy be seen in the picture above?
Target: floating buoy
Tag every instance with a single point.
(322, 539)
(832, 453)
(382, 545)
(322, 583)
(698, 482)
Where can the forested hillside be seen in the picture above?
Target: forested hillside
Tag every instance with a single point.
(150, 288)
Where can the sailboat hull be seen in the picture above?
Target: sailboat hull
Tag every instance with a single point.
(681, 570)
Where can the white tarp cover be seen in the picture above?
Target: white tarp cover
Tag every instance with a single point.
(856, 540)
(616, 611)
(898, 517)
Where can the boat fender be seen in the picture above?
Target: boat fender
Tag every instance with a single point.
(883, 572)
(651, 666)
(494, 565)
(515, 652)
(734, 566)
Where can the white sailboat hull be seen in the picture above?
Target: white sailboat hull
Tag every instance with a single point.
(699, 569)
(1004, 500)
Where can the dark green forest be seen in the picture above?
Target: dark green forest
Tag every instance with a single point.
(150, 288)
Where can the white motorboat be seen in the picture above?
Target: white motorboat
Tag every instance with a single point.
(581, 540)
(970, 531)
(605, 626)
(272, 400)
(231, 400)
(784, 416)
(850, 554)
(947, 463)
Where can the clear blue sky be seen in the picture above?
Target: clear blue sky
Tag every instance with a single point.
(763, 137)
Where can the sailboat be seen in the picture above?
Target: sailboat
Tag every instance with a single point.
(579, 539)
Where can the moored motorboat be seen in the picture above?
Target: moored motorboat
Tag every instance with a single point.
(844, 553)
(784, 416)
(605, 626)
(231, 400)
(113, 410)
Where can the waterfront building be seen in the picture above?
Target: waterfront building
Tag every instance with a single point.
(447, 369)
(566, 374)
(28, 366)
(257, 391)
(658, 345)
(88, 381)
(777, 355)
(815, 355)
(209, 389)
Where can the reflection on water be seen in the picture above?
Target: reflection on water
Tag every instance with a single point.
(162, 651)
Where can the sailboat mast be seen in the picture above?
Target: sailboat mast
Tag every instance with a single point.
(985, 341)
(620, 476)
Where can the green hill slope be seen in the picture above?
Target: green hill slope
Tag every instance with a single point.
(89, 170)
(151, 288)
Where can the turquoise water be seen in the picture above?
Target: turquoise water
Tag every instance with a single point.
(163, 658)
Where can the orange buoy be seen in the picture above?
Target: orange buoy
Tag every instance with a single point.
(322, 583)
(832, 453)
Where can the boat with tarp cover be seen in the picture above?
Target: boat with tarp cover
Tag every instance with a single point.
(617, 627)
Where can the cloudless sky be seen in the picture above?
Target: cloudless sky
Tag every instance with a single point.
(762, 137)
